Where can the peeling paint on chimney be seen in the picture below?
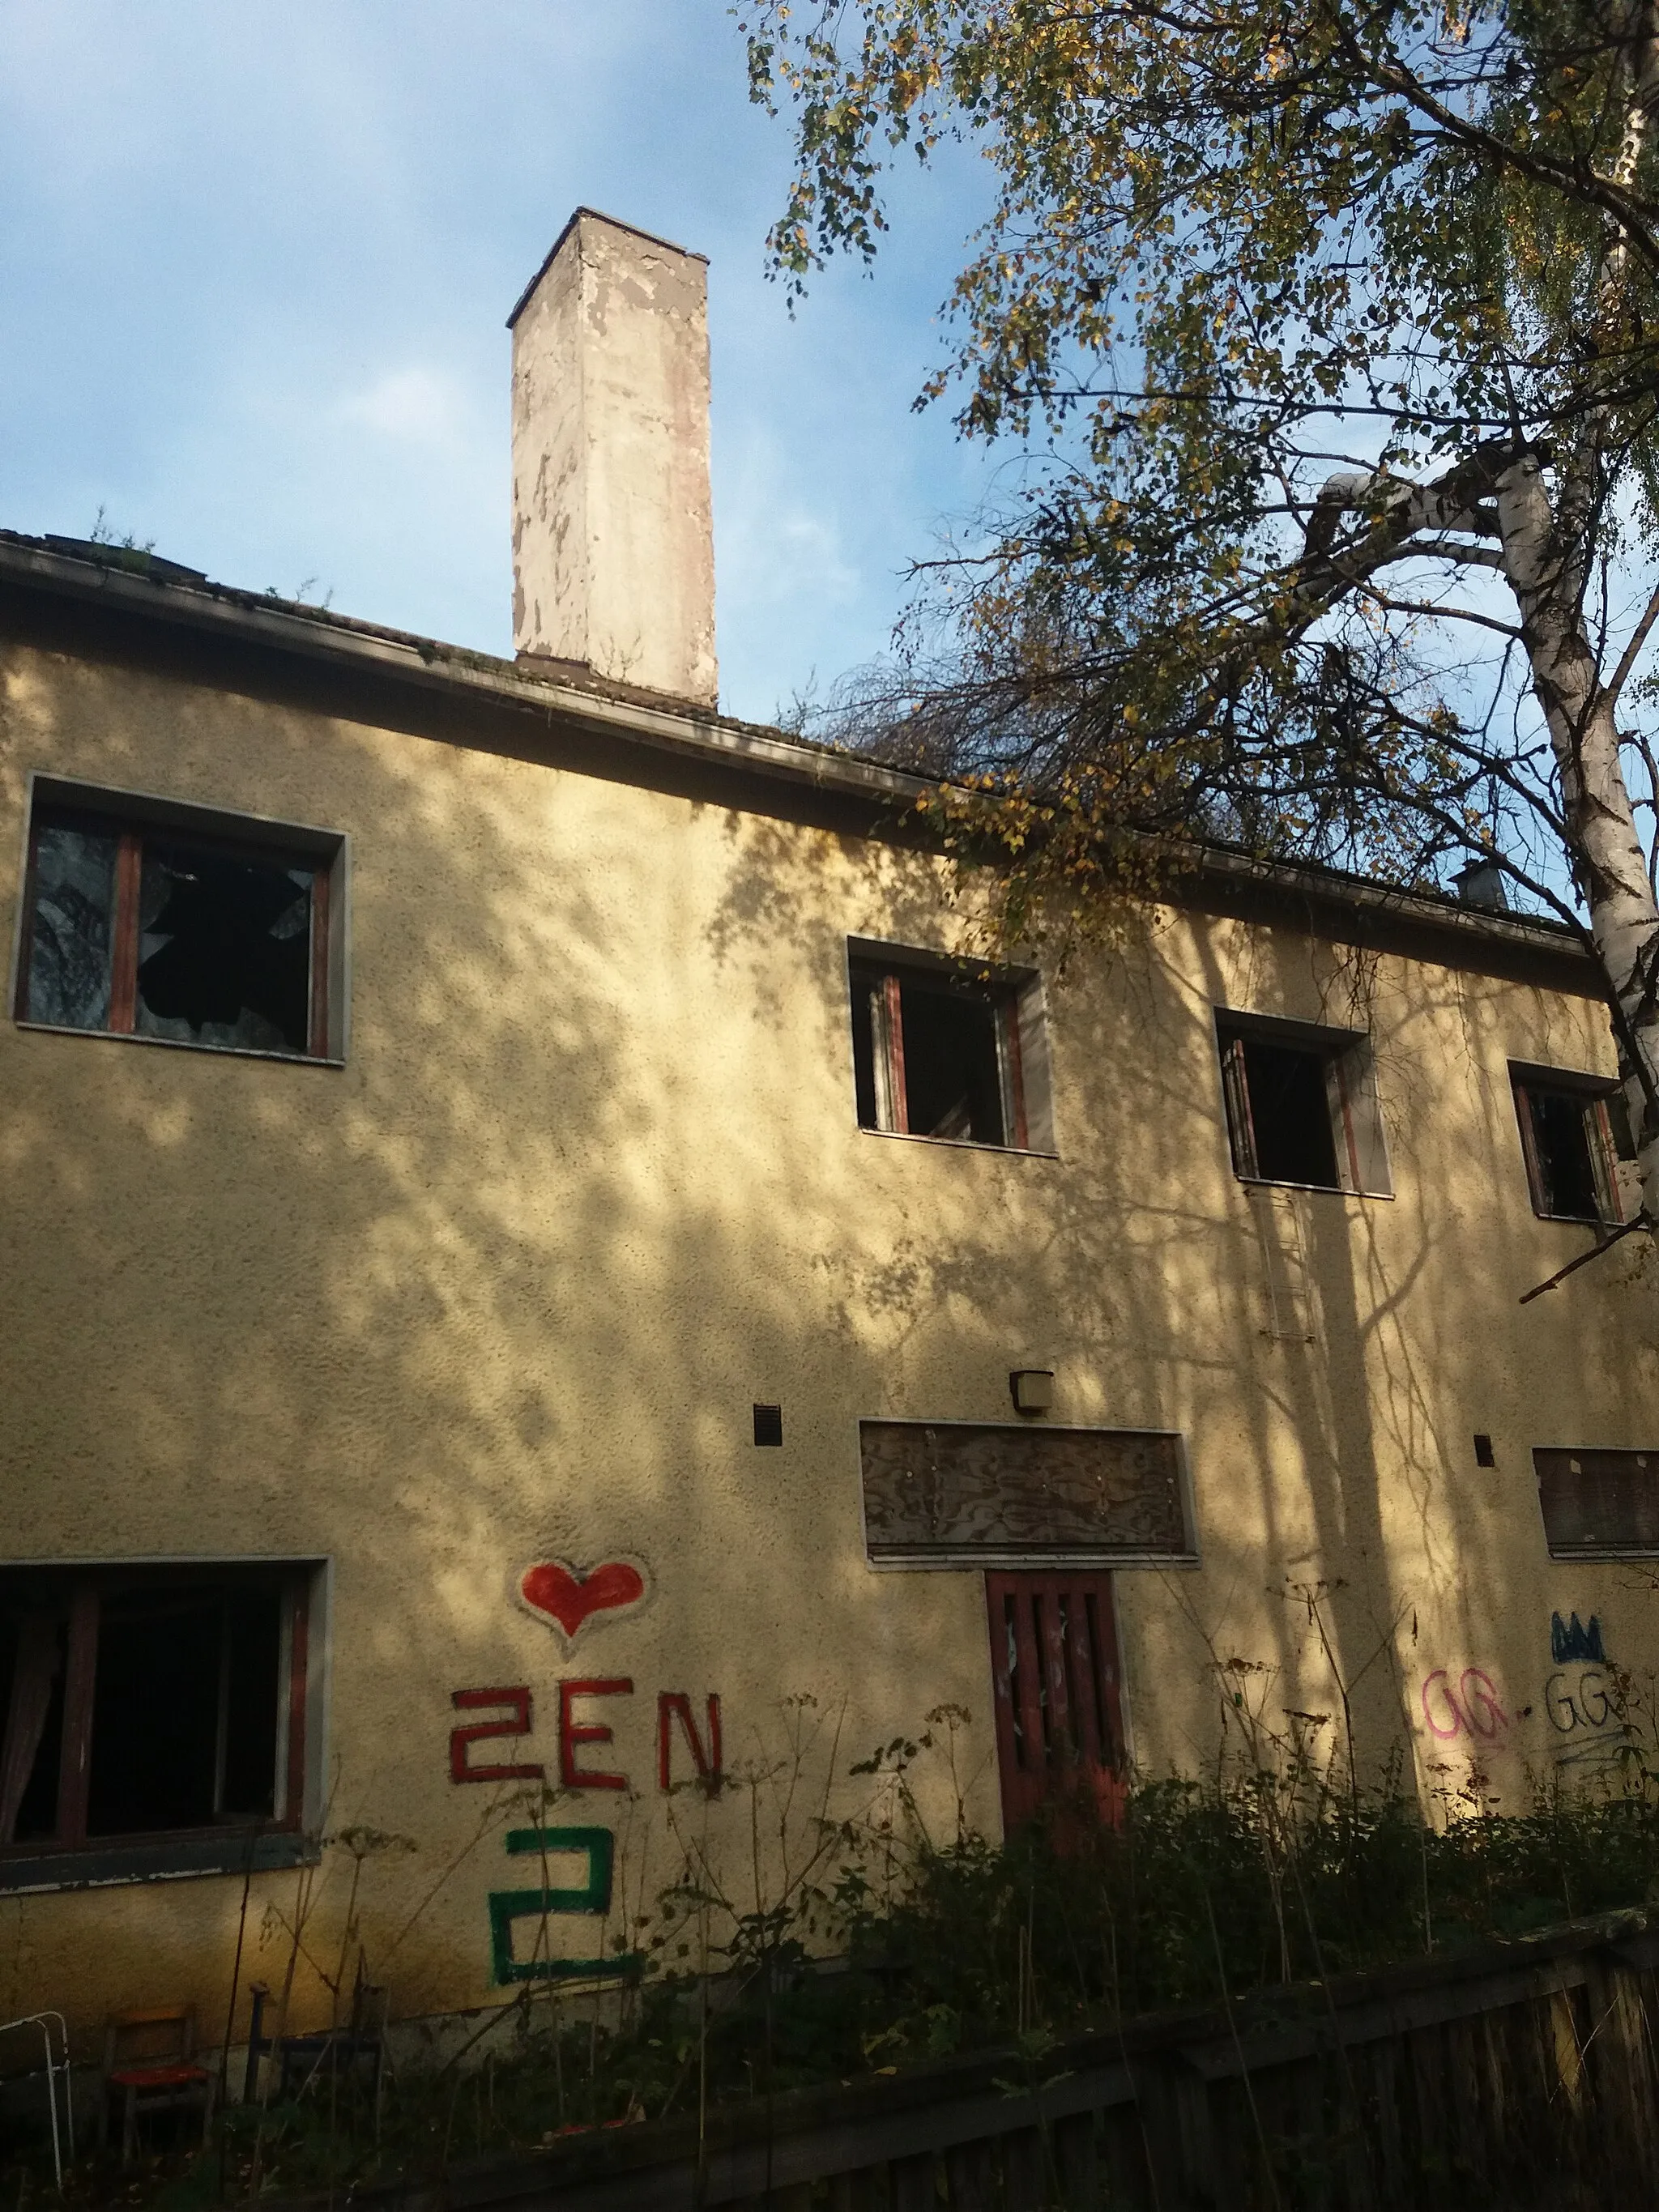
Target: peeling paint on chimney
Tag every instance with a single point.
(613, 546)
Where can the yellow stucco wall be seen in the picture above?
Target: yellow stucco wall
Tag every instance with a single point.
(590, 1184)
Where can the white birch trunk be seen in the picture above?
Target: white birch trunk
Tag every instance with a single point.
(1600, 822)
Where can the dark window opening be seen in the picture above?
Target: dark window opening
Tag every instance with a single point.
(1279, 1117)
(142, 1703)
(184, 1722)
(135, 931)
(1484, 1454)
(224, 950)
(769, 1424)
(1567, 1137)
(937, 1055)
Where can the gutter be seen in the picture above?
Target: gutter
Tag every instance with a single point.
(130, 584)
(340, 641)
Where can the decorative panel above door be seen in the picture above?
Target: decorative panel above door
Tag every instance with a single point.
(986, 1494)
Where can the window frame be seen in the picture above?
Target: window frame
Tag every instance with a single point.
(1015, 995)
(1605, 1463)
(71, 1858)
(1358, 1142)
(134, 816)
(1594, 1093)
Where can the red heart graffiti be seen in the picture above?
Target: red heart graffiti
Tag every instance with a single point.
(570, 1599)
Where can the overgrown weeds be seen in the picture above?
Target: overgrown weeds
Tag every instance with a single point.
(838, 1945)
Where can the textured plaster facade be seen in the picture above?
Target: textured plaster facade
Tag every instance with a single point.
(505, 1285)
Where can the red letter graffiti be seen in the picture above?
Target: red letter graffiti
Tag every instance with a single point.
(1474, 1711)
(571, 1733)
(1456, 1728)
(675, 1704)
(1480, 1706)
(468, 1700)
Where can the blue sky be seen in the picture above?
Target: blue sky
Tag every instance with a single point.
(256, 261)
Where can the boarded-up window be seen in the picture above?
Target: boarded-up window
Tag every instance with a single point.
(973, 1494)
(1598, 1504)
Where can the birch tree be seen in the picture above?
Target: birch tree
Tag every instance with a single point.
(1328, 335)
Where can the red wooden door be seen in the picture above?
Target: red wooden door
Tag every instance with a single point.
(1054, 1688)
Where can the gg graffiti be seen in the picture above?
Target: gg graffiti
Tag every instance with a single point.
(1580, 1697)
(1577, 1700)
(581, 1736)
(1471, 1709)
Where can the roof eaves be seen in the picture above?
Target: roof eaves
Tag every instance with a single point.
(319, 635)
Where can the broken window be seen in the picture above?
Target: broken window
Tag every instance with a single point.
(148, 1702)
(151, 929)
(948, 1050)
(1568, 1137)
(1301, 1105)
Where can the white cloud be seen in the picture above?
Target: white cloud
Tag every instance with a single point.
(416, 405)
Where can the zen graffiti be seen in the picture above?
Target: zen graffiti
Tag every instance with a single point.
(585, 1708)
(590, 1898)
(688, 1751)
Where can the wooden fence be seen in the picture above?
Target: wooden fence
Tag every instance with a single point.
(1515, 2075)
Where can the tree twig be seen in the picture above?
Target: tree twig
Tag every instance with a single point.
(1641, 1220)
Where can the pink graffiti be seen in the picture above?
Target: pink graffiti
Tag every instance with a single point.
(1467, 1711)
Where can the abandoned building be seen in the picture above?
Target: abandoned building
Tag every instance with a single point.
(536, 1240)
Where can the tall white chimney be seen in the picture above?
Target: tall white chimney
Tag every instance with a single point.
(613, 540)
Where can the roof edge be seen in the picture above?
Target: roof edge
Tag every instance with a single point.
(313, 634)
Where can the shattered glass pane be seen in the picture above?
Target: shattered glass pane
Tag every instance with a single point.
(224, 950)
(74, 926)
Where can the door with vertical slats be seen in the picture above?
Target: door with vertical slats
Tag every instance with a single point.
(1054, 1687)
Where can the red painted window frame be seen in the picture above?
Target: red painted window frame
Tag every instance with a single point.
(1003, 996)
(85, 1593)
(123, 934)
